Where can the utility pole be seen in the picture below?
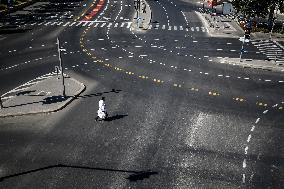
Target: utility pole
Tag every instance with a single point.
(1, 103)
(61, 66)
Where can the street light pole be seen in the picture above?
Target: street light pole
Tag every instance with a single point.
(61, 67)
(1, 103)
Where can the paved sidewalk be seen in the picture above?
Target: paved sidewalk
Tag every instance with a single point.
(220, 26)
(263, 36)
(145, 18)
(43, 97)
(255, 64)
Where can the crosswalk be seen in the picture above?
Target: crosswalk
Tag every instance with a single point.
(99, 24)
(271, 49)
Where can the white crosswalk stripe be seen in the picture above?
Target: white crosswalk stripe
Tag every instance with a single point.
(270, 49)
(85, 24)
(128, 25)
(90, 24)
(66, 23)
(72, 23)
(79, 24)
(47, 23)
(99, 24)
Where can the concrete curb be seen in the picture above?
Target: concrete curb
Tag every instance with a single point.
(56, 108)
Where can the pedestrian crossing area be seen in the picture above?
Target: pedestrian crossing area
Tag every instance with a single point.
(101, 24)
(271, 49)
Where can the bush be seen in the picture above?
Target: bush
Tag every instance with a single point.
(260, 29)
(3, 7)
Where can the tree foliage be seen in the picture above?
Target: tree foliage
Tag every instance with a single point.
(259, 8)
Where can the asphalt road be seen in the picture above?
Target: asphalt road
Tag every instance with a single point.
(178, 117)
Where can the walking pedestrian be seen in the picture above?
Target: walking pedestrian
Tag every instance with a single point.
(102, 113)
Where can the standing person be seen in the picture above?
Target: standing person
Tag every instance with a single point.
(102, 113)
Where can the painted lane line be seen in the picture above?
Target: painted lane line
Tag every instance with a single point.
(246, 150)
(249, 137)
(257, 120)
(244, 163)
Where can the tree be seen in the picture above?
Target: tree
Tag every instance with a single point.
(259, 8)
(251, 8)
(274, 5)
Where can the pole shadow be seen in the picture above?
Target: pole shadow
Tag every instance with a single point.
(134, 175)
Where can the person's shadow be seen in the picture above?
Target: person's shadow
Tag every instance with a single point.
(115, 117)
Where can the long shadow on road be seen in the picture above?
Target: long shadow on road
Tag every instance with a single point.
(134, 175)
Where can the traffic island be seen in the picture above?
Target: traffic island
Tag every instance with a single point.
(143, 16)
(43, 97)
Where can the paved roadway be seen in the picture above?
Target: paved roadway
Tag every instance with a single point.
(179, 118)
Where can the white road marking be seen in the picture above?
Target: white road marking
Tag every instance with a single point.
(79, 24)
(249, 137)
(257, 120)
(103, 24)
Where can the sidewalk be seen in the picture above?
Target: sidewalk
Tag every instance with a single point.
(263, 36)
(255, 64)
(220, 26)
(43, 97)
(145, 18)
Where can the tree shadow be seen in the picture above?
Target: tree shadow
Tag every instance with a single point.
(54, 99)
(99, 93)
(135, 175)
(115, 117)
